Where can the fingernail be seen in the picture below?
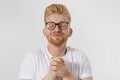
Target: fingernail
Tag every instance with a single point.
(52, 57)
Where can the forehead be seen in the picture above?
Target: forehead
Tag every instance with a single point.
(56, 18)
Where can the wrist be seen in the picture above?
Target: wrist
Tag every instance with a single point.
(68, 76)
(48, 77)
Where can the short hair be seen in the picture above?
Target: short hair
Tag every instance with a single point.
(57, 9)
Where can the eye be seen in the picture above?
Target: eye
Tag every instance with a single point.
(64, 25)
(50, 25)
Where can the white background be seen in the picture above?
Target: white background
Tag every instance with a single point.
(96, 31)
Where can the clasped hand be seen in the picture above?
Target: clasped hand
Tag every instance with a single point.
(57, 68)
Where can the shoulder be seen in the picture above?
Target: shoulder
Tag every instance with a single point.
(36, 52)
(77, 54)
(75, 51)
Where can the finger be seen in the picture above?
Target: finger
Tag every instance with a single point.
(54, 63)
(53, 68)
(59, 72)
(59, 60)
(57, 63)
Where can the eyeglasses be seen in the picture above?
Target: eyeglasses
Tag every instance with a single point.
(61, 25)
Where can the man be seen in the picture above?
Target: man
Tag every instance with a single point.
(56, 61)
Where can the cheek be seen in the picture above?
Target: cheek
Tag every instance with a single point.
(47, 33)
(67, 33)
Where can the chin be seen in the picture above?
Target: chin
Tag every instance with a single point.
(57, 42)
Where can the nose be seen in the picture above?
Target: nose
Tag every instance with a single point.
(57, 28)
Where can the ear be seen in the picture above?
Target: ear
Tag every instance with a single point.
(70, 32)
(44, 32)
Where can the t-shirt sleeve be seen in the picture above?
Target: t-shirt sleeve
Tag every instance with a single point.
(86, 70)
(27, 68)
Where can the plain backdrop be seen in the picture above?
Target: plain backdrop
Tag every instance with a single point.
(96, 30)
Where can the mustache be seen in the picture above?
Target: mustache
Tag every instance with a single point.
(57, 33)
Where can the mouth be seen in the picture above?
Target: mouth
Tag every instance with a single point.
(57, 35)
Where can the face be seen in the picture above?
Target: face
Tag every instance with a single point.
(57, 36)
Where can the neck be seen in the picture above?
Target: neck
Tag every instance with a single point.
(57, 51)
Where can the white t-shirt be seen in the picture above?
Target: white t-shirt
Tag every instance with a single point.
(36, 64)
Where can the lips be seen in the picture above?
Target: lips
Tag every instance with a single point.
(57, 35)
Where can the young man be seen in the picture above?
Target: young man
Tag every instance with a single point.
(56, 61)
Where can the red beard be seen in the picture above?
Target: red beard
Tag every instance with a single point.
(57, 41)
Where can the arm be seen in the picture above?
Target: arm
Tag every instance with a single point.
(88, 78)
(25, 79)
(69, 76)
(27, 68)
(57, 68)
(86, 69)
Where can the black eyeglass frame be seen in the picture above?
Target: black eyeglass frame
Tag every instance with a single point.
(59, 25)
